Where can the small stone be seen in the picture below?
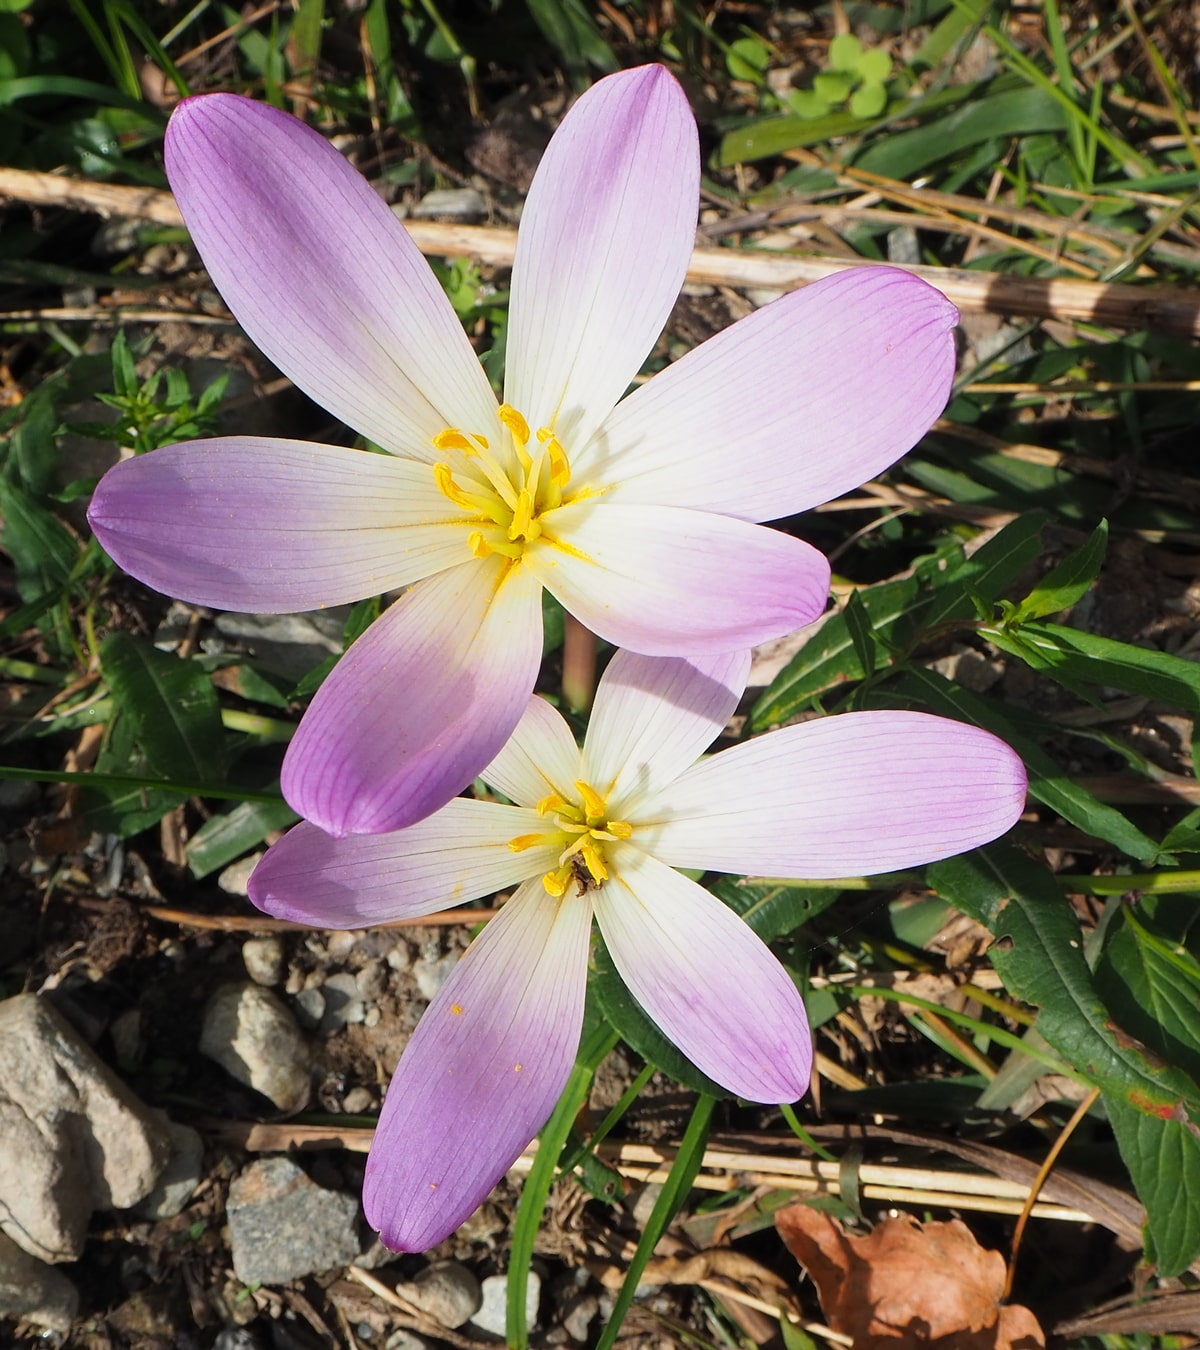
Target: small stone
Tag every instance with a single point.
(406, 1340)
(253, 1036)
(179, 1179)
(263, 958)
(235, 878)
(127, 1039)
(357, 1101)
(310, 1007)
(462, 205)
(579, 1312)
(447, 1291)
(341, 943)
(643, 1203)
(373, 1016)
(371, 979)
(431, 975)
(282, 1226)
(493, 1309)
(75, 1138)
(33, 1291)
(399, 958)
(343, 1005)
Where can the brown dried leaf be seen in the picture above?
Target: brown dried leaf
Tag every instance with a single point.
(908, 1286)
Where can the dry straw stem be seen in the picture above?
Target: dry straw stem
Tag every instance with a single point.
(1167, 308)
(726, 1170)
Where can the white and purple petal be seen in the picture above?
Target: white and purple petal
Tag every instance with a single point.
(322, 275)
(665, 581)
(606, 235)
(705, 978)
(274, 526)
(456, 855)
(540, 758)
(851, 795)
(420, 703)
(793, 405)
(483, 1071)
(654, 716)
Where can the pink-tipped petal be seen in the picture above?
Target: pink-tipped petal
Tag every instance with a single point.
(842, 796)
(654, 717)
(273, 526)
(483, 1071)
(453, 856)
(669, 582)
(540, 758)
(795, 404)
(420, 703)
(321, 275)
(705, 979)
(606, 235)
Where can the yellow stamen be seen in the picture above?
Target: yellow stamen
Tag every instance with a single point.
(513, 420)
(443, 477)
(524, 841)
(551, 803)
(620, 829)
(554, 884)
(522, 515)
(453, 439)
(594, 860)
(593, 802)
(478, 545)
(560, 466)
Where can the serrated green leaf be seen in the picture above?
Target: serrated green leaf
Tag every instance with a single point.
(225, 837)
(772, 910)
(172, 706)
(1075, 657)
(1039, 956)
(626, 1017)
(1067, 582)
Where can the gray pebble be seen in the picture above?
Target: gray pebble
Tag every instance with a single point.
(33, 1291)
(263, 957)
(431, 975)
(447, 1291)
(310, 1007)
(343, 1004)
(493, 1312)
(253, 1036)
(178, 1181)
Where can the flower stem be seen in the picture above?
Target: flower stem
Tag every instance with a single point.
(579, 665)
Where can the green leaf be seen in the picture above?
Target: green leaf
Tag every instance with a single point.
(1067, 582)
(772, 910)
(625, 1015)
(747, 59)
(829, 657)
(869, 100)
(862, 634)
(172, 707)
(1074, 657)
(845, 51)
(225, 837)
(42, 549)
(1039, 956)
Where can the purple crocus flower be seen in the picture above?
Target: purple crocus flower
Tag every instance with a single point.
(600, 832)
(638, 515)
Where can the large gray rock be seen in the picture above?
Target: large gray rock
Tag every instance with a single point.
(251, 1034)
(73, 1137)
(283, 1226)
(179, 1179)
(33, 1291)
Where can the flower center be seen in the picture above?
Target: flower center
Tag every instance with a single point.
(504, 489)
(581, 829)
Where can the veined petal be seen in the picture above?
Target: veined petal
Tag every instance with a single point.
(605, 238)
(453, 856)
(654, 717)
(272, 526)
(321, 275)
(705, 978)
(841, 796)
(483, 1071)
(795, 404)
(420, 703)
(669, 582)
(539, 758)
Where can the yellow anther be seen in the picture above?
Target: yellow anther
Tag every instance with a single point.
(524, 841)
(553, 802)
(555, 885)
(453, 439)
(560, 466)
(513, 420)
(449, 488)
(522, 515)
(544, 434)
(593, 802)
(478, 545)
(620, 829)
